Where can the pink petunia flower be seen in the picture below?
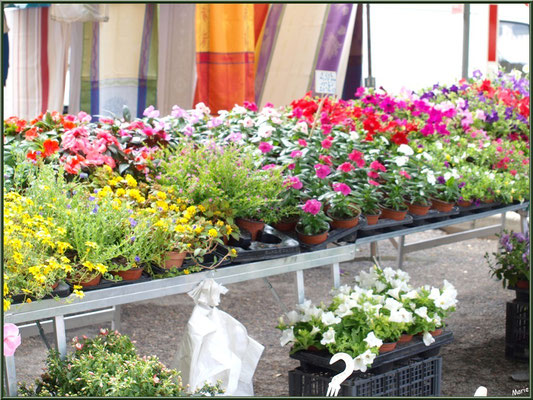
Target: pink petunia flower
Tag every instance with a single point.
(346, 167)
(322, 170)
(11, 339)
(291, 166)
(343, 188)
(372, 174)
(312, 206)
(265, 147)
(326, 159)
(355, 155)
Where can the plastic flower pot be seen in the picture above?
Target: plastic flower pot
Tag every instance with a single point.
(418, 209)
(174, 259)
(93, 282)
(522, 285)
(386, 347)
(372, 219)
(389, 213)
(464, 203)
(129, 275)
(312, 239)
(436, 332)
(405, 338)
(251, 226)
(287, 225)
(55, 285)
(442, 206)
(337, 223)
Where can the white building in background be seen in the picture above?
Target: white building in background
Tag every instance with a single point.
(418, 45)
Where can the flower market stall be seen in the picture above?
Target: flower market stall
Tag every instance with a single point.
(247, 193)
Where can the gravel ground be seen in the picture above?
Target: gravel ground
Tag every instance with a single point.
(474, 358)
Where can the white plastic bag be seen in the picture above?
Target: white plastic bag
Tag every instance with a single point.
(216, 346)
(79, 12)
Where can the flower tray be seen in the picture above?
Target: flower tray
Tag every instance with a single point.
(335, 235)
(319, 360)
(62, 290)
(270, 244)
(105, 284)
(433, 216)
(384, 225)
(521, 294)
(415, 377)
(517, 331)
(475, 208)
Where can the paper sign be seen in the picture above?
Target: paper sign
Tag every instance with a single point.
(325, 82)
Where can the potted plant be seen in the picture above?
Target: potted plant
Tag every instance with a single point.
(447, 193)
(511, 262)
(343, 210)
(313, 226)
(393, 203)
(287, 211)
(368, 198)
(417, 196)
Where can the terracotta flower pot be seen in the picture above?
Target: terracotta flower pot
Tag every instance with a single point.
(372, 219)
(174, 259)
(405, 338)
(487, 201)
(442, 206)
(522, 285)
(129, 275)
(436, 332)
(287, 225)
(463, 203)
(55, 285)
(418, 209)
(312, 239)
(93, 282)
(251, 226)
(388, 213)
(343, 223)
(386, 347)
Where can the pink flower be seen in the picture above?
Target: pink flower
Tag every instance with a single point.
(312, 206)
(355, 155)
(302, 142)
(360, 163)
(376, 165)
(251, 106)
(291, 166)
(513, 172)
(325, 159)
(343, 188)
(107, 121)
(269, 105)
(78, 346)
(294, 182)
(372, 174)
(151, 112)
(346, 167)
(11, 339)
(326, 143)
(214, 122)
(296, 154)
(373, 182)
(322, 170)
(405, 174)
(84, 117)
(265, 147)
(155, 379)
(269, 166)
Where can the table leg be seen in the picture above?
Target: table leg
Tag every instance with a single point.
(10, 376)
(116, 322)
(399, 260)
(300, 288)
(60, 336)
(336, 272)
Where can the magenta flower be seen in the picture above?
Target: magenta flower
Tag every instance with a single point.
(322, 170)
(302, 142)
(405, 174)
(291, 166)
(355, 155)
(326, 143)
(294, 182)
(377, 166)
(346, 167)
(269, 166)
(372, 182)
(11, 339)
(372, 174)
(312, 206)
(251, 106)
(296, 154)
(343, 188)
(265, 147)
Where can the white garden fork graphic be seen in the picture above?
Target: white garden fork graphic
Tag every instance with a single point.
(334, 386)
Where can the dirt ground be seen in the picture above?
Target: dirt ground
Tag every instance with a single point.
(474, 358)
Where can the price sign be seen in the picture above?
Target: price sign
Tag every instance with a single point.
(325, 82)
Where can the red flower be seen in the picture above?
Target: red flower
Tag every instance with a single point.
(399, 138)
(31, 155)
(72, 165)
(68, 125)
(346, 167)
(31, 134)
(373, 182)
(50, 147)
(251, 106)
(523, 107)
(325, 159)
(376, 165)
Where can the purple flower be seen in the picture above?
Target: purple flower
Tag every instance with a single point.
(83, 175)
(492, 117)
(95, 209)
(461, 185)
(453, 88)
(477, 74)
(508, 113)
(137, 258)
(441, 180)
(446, 164)
(69, 206)
(132, 239)
(92, 198)
(519, 236)
(133, 223)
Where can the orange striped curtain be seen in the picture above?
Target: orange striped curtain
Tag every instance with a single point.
(225, 47)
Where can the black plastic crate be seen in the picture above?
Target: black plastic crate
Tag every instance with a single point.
(517, 331)
(414, 378)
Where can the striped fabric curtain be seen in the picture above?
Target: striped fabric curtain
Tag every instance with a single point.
(38, 51)
(119, 61)
(225, 47)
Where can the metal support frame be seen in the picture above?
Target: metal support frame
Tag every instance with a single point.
(115, 296)
(336, 274)
(116, 322)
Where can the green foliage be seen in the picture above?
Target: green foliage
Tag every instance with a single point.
(511, 262)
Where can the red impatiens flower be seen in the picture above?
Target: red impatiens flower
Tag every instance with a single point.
(32, 155)
(50, 147)
(346, 167)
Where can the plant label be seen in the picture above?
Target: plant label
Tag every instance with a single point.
(325, 82)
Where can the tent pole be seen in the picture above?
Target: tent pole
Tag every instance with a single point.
(466, 39)
(370, 81)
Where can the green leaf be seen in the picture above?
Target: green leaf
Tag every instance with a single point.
(126, 113)
(122, 168)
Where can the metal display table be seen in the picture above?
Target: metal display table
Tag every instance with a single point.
(115, 296)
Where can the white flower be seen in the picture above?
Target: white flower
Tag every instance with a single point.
(293, 317)
(362, 361)
(265, 131)
(438, 145)
(434, 294)
(304, 306)
(315, 330)
(328, 337)
(405, 149)
(401, 161)
(428, 339)
(447, 175)
(366, 279)
(422, 312)
(389, 274)
(247, 122)
(344, 289)
(328, 318)
(404, 276)
(373, 151)
(276, 120)
(287, 336)
(431, 178)
(392, 305)
(394, 293)
(445, 301)
(401, 316)
(359, 364)
(343, 310)
(372, 340)
(301, 127)
(203, 108)
(354, 136)
(380, 286)
(237, 109)
(412, 294)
